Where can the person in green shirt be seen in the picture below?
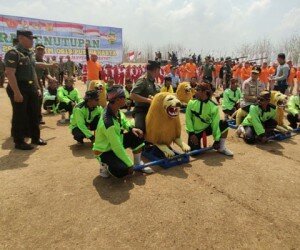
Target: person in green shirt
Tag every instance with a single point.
(68, 97)
(294, 110)
(231, 98)
(202, 116)
(112, 140)
(85, 117)
(260, 122)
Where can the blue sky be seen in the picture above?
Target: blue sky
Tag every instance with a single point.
(196, 24)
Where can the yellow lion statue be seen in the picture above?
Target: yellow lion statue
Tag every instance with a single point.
(163, 124)
(99, 85)
(184, 92)
(279, 100)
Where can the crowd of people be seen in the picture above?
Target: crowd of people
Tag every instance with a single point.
(35, 83)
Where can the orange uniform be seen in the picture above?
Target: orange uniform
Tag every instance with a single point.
(93, 70)
(264, 75)
(272, 71)
(182, 72)
(245, 73)
(292, 75)
(167, 69)
(236, 71)
(298, 75)
(191, 69)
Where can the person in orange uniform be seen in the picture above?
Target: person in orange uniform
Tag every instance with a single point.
(191, 69)
(298, 79)
(246, 71)
(272, 72)
(264, 75)
(182, 71)
(218, 67)
(237, 70)
(167, 68)
(94, 68)
(292, 76)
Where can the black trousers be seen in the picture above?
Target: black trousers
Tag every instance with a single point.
(140, 114)
(60, 78)
(78, 135)
(250, 136)
(293, 119)
(223, 125)
(115, 165)
(49, 103)
(66, 106)
(25, 120)
(281, 87)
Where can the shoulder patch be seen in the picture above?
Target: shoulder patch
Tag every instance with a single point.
(107, 119)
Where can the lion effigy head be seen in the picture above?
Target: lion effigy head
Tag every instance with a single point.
(162, 120)
(184, 92)
(100, 86)
(278, 99)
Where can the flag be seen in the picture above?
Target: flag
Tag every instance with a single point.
(131, 55)
(69, 27)
(92, 32)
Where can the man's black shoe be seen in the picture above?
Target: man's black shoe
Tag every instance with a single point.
(42, 122)
(23, 146)
(39, 142)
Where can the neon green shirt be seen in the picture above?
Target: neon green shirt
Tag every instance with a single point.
(294, 105)
(257, 116)
(63, 95)
(83, 115)
(201, 114)
(230, 98)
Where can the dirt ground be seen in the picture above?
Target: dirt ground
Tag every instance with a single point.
(53, 197)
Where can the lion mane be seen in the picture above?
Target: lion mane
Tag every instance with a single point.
(182, 95)
(160, 128)
(102, 95)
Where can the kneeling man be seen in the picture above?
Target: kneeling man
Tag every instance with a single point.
(85, 117)
(202, 116)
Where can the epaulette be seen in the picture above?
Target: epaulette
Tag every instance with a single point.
(108, 119)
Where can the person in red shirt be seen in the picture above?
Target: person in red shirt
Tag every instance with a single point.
(121, 74)
(94, 68)
(116, 74)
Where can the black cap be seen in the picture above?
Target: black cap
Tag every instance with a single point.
(39, 46)
(153, 65)
(228, 58)
(91, 95)
(26, 33)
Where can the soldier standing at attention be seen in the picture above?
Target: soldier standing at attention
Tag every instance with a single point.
(226, 73)
(23, 92)
(2, 70)
(69, 67)
(61, 68)
(142, 93)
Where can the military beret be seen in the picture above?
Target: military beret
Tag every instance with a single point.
(91, 95)
(39, 46)
(151, 65)
(26, 33)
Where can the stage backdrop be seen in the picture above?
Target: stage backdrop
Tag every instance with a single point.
(61, 38)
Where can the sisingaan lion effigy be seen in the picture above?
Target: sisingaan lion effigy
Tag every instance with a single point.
(163, 124)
